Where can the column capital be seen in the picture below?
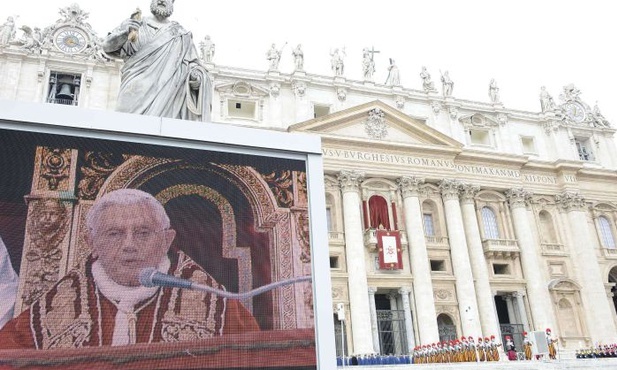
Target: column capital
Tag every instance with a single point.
(409, 185)
(405, 290)
(469, 192)
(571, 201)
(350, 180)
(518, 294)
(372, 290)
(518, 197)
(449, 189)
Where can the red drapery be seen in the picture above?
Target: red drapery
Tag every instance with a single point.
(378, 208)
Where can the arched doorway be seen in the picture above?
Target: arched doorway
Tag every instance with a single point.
(446, 327)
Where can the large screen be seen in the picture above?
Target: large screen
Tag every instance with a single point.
(154, 253)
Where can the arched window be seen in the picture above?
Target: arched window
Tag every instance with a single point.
(446, 328)
(489, 220)
(608, 241)
(379, 212)
(546, 226)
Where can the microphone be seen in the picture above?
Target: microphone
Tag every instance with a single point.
(150, 277)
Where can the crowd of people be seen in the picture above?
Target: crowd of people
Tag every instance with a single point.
(598, 351)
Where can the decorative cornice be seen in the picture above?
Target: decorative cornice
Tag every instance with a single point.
(469, 192)
(449, 189)
(350, 180)
(410, 185)
(518, 197)
(571, 201)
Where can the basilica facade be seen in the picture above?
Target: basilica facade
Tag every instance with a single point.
(446, 217)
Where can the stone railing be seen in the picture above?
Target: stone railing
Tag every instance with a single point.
(437, 242)
(553, 249)
(336, 237)
(500, 248)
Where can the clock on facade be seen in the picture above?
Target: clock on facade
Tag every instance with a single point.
(574, 111)
(70, 40)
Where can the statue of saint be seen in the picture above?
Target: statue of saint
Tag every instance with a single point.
(207, 49)
(427, 82)
(493, 91)
(546, 100)
(298, 55)
(7, 31)
(368, 64)
(447, 83)
(162, 74)
(274, 57)
(336, 62)
(394, 77)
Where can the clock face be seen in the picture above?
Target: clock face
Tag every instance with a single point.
(70, 40)
(575, 111)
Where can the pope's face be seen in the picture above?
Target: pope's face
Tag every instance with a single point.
(127, 239)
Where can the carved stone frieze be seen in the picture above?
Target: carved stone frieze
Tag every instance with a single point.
(281, 184)
(410, 185)
(443, 295)
(301, 221)
(571, 201)
(48, 224)
(275, 89)
(551, 126)
(436, 106)
(350, 180)
(341, 94)
(376, 126)
(449, 188)
(453, 112)
(400, 102)
(95, 170)
(299, 88)
(518, 197)
(55, 167)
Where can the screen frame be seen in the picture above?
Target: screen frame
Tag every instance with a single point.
(132, 128)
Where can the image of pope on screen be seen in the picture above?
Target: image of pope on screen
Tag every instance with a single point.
(101, 302)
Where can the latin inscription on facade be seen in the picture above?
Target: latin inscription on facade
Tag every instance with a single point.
(440, 163)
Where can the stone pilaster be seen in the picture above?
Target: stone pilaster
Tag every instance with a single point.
(374, 328)
(465, 289)
(595, 301)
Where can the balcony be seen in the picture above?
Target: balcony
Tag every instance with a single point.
(370, 239)
(553, 249)
(437, 242)
(500, 248)
(336, 238)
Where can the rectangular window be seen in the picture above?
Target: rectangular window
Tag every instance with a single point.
(501, 269)
(320, 110)
(528, 144)
(583, 147)
(480, 137)
(429, 229)
(63, 88)
(438, 265)
(334, 264)
(241, 109)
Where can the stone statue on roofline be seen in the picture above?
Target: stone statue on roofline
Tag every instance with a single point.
(207, 48)
(162, 74)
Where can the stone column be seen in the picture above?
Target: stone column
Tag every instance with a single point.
(595, 302)
(420, 266)
(520, 304)
(537, 288)
(510, 307)
(374, 329)
(486, 302)
(411, 340)
(356, 266)
(465, 290)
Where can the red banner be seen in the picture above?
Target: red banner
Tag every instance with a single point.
(390, 251)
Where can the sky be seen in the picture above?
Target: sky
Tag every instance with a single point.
(522, 44)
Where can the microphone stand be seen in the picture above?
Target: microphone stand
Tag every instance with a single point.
(250, 293)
